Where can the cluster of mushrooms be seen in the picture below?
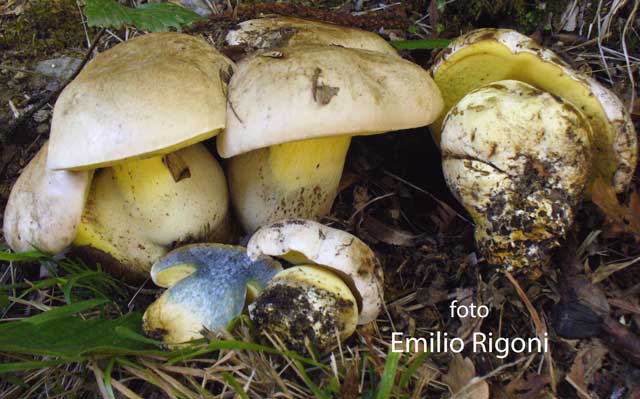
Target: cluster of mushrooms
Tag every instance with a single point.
(126, 181)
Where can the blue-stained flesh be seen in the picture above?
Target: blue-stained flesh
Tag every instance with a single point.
(215, 293)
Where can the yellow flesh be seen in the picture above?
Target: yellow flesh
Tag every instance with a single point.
(490, 61)
(173, 274)
(297, 179)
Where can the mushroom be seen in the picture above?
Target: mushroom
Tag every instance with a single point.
(44, 207)
(489, 55)
(150, 95)
(315, 300)
(291, 118)
(271, 33)
(518, 159)
(136, 112)
(138, 210)
(208, 286)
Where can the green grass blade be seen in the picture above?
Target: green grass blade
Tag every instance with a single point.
(235, 385)
(317, 392)
(22, 366)
(30, 255)
(107, 377)
(406, 375)
(389, 375)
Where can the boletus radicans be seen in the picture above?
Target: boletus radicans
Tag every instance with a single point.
(523, 139)
(123, 174)
(292, 113)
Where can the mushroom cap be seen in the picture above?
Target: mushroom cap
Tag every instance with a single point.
(306, 242)
(306, 304)
(150, 95)
(314, 91)
(211, 296)
(487, 55)
(137, 211)
(44, 208)
(518, 159)
(269, 33)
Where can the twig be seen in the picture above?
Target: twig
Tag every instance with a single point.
(541, 329)
(6, 132)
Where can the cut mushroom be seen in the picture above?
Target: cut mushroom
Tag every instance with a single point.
(44, 208)
(137, 108)
(139, 210)
(489, 55)
(311, 301)
(272, 33)
(221, 279)
(518, 159)
(306, 307)
(150, 95)
(291, 118)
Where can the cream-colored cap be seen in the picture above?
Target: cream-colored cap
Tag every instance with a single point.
(306, 92)
(150, 95)
(44, 207)
(275, 32)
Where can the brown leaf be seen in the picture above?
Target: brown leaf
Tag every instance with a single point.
(459, 379)
(586, 363)
(390, 235)
(623, 219)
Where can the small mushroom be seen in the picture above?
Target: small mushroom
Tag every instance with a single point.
(518, 159)
(310, 302)
(131, 119)
(208, 286)
(292, 116)
(272, 33)
(489, 55)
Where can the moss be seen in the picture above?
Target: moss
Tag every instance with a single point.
(45, 26)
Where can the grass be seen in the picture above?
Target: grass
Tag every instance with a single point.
(85, 330)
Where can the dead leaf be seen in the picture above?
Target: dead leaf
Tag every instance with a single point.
(623, 219)
(586, 363)
(390, 235)
(530, 387)
(605, 271)
(177, 166)
(461, 379)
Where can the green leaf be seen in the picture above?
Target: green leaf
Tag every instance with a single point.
(406, 375)
(420, 44)
(154, 17)
(389, 375)
(11, 367)
(57, 333)
(30, 255)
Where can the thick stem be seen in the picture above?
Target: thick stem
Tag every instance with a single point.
(297, 179)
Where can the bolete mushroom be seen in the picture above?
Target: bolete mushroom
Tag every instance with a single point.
(271, 33)
(207, 285)
(336, 284)
(44, 207)
(488, 55)
(136, 111)
(291, 118)
(518, 159)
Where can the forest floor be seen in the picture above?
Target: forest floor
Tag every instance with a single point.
(393, 196)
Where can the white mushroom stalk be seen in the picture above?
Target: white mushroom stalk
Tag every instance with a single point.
(292, 113)
(518, 159)
(208, 285)
(336, 271)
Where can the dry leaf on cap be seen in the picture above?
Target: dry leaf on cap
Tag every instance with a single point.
(459, 379)
(622, 218)
(586, 363)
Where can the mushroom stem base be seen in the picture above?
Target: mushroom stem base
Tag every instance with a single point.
(297, 179)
